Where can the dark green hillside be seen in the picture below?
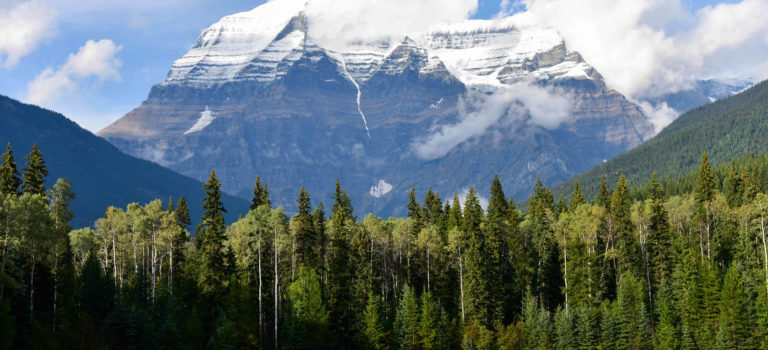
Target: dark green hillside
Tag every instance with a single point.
(729, 128)
(101, 175)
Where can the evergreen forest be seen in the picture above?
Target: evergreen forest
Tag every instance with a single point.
(678, 264)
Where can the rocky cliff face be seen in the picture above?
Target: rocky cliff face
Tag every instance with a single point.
(446, 108)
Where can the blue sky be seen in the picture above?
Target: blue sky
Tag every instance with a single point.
(146, 37)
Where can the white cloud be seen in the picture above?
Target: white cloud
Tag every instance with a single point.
(646, 48)
(94, 59)
(479, 112)
(660, 115)
(23, 26)
(334, 23)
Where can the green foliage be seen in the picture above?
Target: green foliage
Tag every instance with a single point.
(34, 172)
(9, 173)
(729, 128)
(260, 195)
(211, 237)
(406, 327)
(307, 323)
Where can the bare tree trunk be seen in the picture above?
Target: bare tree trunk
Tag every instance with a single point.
(55, 286)
(277, 295)
(765, 248)
(261, 314)
(427, 268)
(170, 267)
(114, 257)
(461, 283)
(565, 279)
(32, 291)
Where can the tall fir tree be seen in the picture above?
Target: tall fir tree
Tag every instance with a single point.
(628, 257)
(339, 270)
(182, 213)
(212, 235)
(659, 236)
(260, 195)
(705, 186)
(34, 173)
(577, 198)
(9, 173)
(304, 232)
(603, 194)
(406, 327)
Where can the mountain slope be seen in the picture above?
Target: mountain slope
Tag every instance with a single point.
(101, 175)
(732, 127)
(446, 108)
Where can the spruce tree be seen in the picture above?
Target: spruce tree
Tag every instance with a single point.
(577, 198)
(705, 186)
(477, 289)
(260, 195)
(34, 173)
(339, 271)
(373, 328)
(603, 195)
(732, 189)
(182, 213)
(406, 325)
(305, 238)
(628, 257)
(414, 213)
(212, 235)
(428, 322)
(9, 174)
(659, 236)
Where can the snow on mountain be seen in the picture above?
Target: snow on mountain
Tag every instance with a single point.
(255, 45)
(258, 94)
(206, 118)
(247, 42)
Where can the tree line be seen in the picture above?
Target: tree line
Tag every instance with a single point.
(619, 271)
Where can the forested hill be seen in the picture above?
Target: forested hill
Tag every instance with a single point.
(101, 175)
(729, 128)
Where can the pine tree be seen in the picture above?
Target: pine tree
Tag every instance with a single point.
(414, 213)
(428, 322)
(304, 232)
(454, 215)
(182, 213)
(339, 271)
(495, 254)
(478, 301)
(373, 323)
(659, 236)
(577, 198)
(260, 195)
(705, 187)
(603, 195)
(628, 256)
(732, 189)
(705, 193)
(406, 325)
(432, 211)
(9, 174)
(212, 235)
(34, 173)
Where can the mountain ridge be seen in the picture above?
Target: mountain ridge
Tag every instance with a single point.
(101, 175)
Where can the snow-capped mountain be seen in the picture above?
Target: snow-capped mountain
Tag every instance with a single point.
(448, 107)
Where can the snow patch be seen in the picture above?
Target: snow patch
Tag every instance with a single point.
(380, 189)
(206, 117)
